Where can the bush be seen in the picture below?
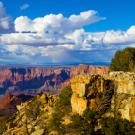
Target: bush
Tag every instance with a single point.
(2, 127)
(6, 121)
(65, 97)
(124, 60)
(88, 114)
(62, 108)
(112, 126)
(80, 126)
(34, 109)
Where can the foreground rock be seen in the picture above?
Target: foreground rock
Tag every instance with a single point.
(8, 104)
(91, 91)
(32, 116)
(124, 94)
(97, 93)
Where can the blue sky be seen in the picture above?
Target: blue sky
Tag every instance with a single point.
(104, 27)
(119, 13)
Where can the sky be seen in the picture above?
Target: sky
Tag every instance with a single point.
(38, 32)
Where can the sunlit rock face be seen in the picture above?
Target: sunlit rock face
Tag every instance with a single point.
(124, 82)
(90, 91)
(124, 97)
(115, 90)
(27, 122)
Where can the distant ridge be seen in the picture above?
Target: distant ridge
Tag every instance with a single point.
(56, 64)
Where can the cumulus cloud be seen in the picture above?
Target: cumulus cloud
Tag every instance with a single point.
(58, 39)
(77, 46)
(24, 6)
(56, 23)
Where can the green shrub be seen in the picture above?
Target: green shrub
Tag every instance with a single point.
(112, 126)
(6, 121)
(33, 109)
(62, 108)
(80, 126)
(2, 127)
(88, 114)
(124, 60)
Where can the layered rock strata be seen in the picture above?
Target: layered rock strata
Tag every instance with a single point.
(115, 91)
(30, 81)
(124, 96)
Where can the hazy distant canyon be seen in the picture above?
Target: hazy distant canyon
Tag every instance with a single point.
(30, 81)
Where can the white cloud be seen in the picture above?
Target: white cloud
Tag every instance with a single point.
(78, 46)
(55, 38)
(56, 23)
(5, 20)
(34, 39)
(118, 37)
(24, 6)
(131, 30)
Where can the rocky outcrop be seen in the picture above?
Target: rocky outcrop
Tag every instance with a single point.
(115, 91)
(32, 116)
(90, 91)
(94, 93)
(8, 104)
(124, 97)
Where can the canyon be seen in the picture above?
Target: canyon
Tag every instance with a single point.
(20, 84)
(30, 81)
(85, 107)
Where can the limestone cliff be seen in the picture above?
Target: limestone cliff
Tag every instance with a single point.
(124, 94)
(116, 90)
(91, 91)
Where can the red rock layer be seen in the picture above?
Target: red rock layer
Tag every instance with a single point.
(18, 79)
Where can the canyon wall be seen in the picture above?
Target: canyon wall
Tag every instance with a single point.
(124, 94)
(29, 81)
(115, 91)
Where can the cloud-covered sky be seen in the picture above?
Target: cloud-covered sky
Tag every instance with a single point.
(58, 38)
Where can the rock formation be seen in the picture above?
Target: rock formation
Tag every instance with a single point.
(32, 116)
(106, 97)
(124, 96)
(20, 84)
(91, 91)
(8, 104)
(116, 90)
(30, 81)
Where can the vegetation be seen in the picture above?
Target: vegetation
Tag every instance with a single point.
(4, 121)
(34, 109)
(80, 126)
(83, 125)
(124, 60)
(62, 108)
(112, 126)
(2, 126)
